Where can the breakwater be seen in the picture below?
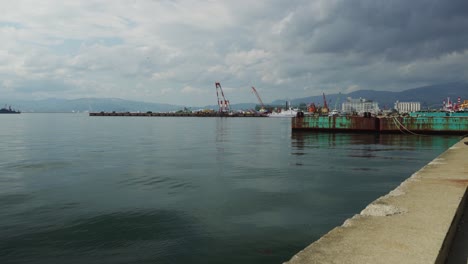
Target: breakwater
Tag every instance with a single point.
(178, 114)
(414, 223)
(406, 125)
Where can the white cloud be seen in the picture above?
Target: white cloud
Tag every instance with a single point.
(166, 91)
(279, 27)
(147, 50)
(246, 58)
(192, 90)
(163, 75)
(352, 88)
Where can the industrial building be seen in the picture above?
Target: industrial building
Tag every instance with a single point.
(406, 107)
(359, 106)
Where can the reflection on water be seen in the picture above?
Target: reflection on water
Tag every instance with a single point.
(75, 189)
(326, 140)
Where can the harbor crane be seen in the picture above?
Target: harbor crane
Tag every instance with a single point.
(223, 104)
(258, 97)
(325, 108)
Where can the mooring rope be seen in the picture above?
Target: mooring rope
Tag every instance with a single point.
(396, 124)
(395, 119)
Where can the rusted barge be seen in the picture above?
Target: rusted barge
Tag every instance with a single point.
(392, 124)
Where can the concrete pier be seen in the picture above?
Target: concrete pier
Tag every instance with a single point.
(415, 223)
(178, 114)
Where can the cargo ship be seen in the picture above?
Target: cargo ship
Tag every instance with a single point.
(8, 111)
(383, 124)
(449, 109)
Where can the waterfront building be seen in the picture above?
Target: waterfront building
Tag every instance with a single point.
(359, 106)
(406, 107)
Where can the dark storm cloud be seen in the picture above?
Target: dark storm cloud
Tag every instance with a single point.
(398, 30)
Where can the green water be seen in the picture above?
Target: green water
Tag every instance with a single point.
(80, 189)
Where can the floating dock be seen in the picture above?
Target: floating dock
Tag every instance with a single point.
(406, 125)
(175, 114)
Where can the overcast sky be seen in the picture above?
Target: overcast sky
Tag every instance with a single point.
(173, 51)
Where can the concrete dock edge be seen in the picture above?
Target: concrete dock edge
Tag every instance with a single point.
(414, 223)
(444, 251)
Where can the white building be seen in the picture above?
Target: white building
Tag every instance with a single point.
(405, 107)
(360, 105)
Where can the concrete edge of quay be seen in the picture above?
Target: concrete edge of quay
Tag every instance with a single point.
(414, 223)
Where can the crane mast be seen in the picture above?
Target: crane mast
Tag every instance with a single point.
(325, 105)
(325, 109)
(223, 104)
(258, 97)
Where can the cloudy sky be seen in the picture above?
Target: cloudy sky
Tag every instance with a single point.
(173, 51)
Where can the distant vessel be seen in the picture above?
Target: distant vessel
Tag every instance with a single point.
(334, 112)
(449, 109)
(284, 113)
(8, 111)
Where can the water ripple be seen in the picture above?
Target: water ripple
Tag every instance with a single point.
(100, 234)
(157, 182)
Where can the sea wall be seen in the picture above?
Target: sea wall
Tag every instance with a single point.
(414, 223)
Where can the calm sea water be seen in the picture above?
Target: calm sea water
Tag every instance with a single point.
(80, 189)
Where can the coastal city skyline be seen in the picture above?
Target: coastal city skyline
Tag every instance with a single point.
(174, 51)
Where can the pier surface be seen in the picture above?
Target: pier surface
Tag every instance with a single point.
(414, 223)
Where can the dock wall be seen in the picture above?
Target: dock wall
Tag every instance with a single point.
(414, 223)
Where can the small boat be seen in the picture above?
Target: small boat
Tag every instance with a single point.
(284, 113)
(334, 112)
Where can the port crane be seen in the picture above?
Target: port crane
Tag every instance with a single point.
(223, 104)
(325, 109)
(259, 99)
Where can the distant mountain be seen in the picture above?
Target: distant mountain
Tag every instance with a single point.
(429, 96)
(91, 105)
(54, 105)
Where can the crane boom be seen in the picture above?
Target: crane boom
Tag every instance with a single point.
(258, 97)
(325, 108)
(223, 104)
(324, 101)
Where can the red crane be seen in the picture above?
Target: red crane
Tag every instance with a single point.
(258, 97)
(325, 109)
(222, 102)
(325, 102)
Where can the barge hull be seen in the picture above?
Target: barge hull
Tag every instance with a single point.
(400, 125)
(424, 125)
